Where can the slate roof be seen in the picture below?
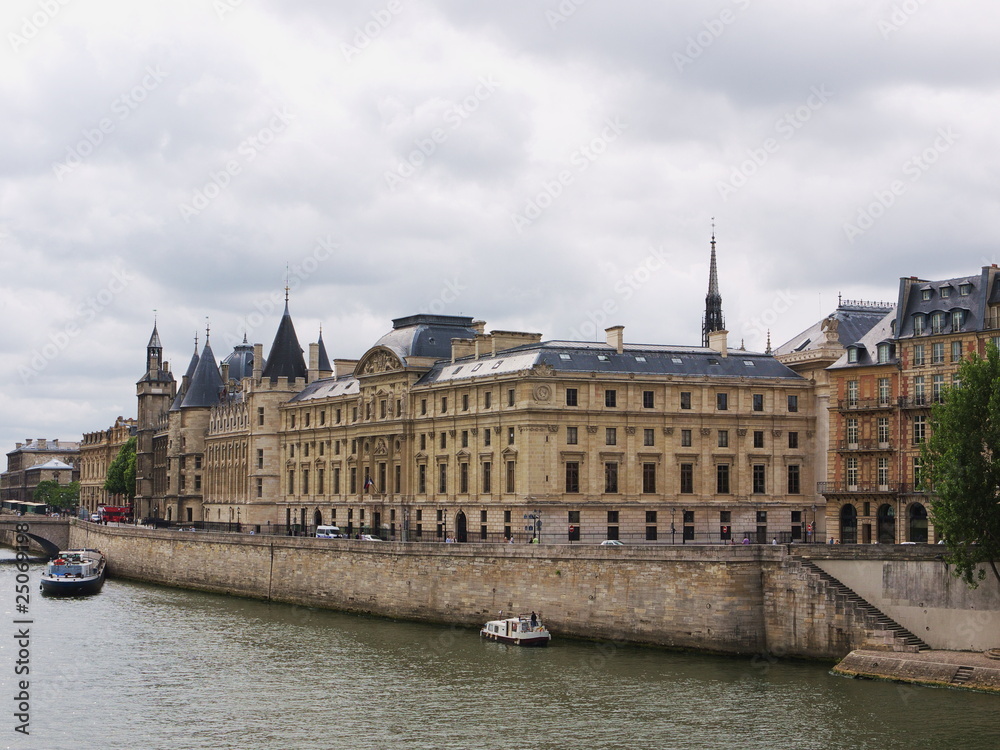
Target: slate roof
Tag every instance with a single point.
(205, 388)
(182, 391)
(975, 304)
(285, 359)
(52, 465)
(346, 385)
(240, 361)
(880, 333)
(644, 359)
(426, 335)
(854, 321)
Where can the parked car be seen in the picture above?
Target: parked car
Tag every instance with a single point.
(612, 543)
(370, 538)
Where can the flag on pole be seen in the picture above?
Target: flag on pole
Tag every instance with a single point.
(369, 485)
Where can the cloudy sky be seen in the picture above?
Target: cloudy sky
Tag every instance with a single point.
(542, 165)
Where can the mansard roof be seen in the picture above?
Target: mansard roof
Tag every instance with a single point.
(285, 359)
(867, 345)
(585, 358)
(206, 387)
(853, 320)
(971, 294)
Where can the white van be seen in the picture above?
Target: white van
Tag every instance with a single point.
(328, 532)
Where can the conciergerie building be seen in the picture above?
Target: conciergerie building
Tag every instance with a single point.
(442, 429)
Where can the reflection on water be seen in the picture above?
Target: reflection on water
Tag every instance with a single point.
(141, 666)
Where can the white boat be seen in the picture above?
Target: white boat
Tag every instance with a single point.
(523, 630)
(74, 571)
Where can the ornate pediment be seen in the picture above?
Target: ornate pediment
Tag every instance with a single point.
(377, 361)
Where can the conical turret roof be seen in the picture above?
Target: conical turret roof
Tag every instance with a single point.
(205, 388)
(285, 359)
(324, 360)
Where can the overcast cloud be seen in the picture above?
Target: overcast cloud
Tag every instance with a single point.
(529, 163)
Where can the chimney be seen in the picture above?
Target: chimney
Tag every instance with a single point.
(313, 373)
(225, 373)
(462, 348)
(479, 326)
(616, 337)
(258, 361)
(717, 341)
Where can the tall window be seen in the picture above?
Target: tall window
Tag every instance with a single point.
(649, 477)
(918, 354)
(610, 397)
(882, 471)
(919, 428)
(421, 479)
(648, 436)
(919, 393)
(487, 476)
(758, 402)
(463, 478)
(956, 351)
(852, 471)
(510, 476)
(465, 402)
(722, 479)
(572, 476)
(571, 397)
(571, 436)
(852, 431)
(957, 320)
(510, 436)
(611, 436)
(918, 323)
(937, 322)
(794, 479)
(793, 440)
(884, 392)
(937, 352)
(722, 401)
(883, 429)
(686, 438)
(793, 403)
(759, 479)
(442, 478)
(937, 388)
(883, 353)
(758, 438)
(723, 438)
(685, 399)
(611, 476)
(918, 480)
(852, 392)
(510, 397)
(488, 400)
(687, 478)
(647, 399)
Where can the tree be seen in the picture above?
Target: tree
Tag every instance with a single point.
(57, 495)
(961, 465)
(121, 473)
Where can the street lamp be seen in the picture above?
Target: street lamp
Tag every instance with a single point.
(673, 528)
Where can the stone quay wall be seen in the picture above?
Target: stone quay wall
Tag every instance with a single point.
(756, 600)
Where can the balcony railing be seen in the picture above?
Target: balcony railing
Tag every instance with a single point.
(838, 488)
(864, 445)
(852, 404)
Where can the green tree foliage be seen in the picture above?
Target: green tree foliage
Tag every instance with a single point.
(121, 473)
(961, 465)
(57, 495)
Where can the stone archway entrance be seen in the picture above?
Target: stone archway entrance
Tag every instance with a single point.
(848, 524)
(318, 518)
(461, 531)
(886, 524)
(917, 531)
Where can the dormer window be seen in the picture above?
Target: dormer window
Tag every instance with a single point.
(957, 320)
(925, 294)
(852, 354)
(884, 352)
(945, 291)
(965, 289)
(919, 322)
(937, 322)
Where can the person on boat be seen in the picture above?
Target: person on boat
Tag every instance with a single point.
(534, 620)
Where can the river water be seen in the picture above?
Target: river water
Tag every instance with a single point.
(153, 668)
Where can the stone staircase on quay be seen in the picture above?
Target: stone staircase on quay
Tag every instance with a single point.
(879, 625)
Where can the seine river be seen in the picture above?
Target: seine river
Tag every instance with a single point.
(153, 668)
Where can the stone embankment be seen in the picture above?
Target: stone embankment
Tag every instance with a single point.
(956, 669)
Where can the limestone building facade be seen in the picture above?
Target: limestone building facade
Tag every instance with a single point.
(34, 461)
(97, 450)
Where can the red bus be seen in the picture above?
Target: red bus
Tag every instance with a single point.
(115, 513)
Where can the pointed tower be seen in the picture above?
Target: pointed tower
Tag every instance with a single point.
(205, 388)
(324, 359)
(186, 379)
(285, 359)
(713, 320)
(155, 390)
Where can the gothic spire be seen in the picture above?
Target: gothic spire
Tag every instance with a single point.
(713, 320)
(285, 359)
